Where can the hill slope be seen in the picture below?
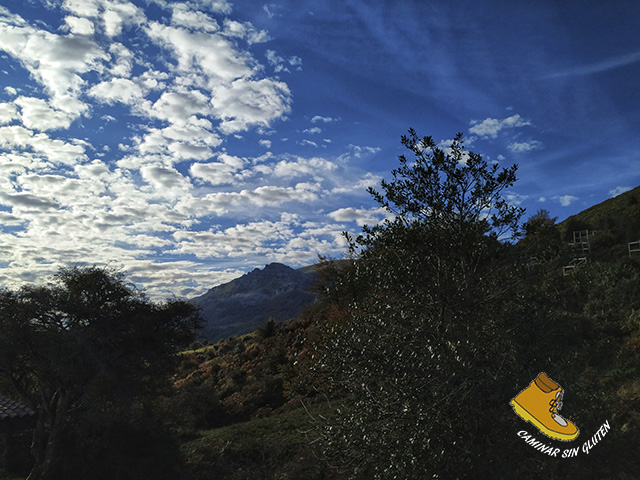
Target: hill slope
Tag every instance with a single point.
(242, 305)
(620, 214)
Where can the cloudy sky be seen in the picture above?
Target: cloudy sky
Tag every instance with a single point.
(188, 142)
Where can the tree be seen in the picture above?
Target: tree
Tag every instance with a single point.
(423, 345)
(88, 338)
(542, 238)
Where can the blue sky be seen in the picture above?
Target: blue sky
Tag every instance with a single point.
(189, 142)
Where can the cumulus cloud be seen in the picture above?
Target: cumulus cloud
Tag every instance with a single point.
(39, 115)
(184, 16)
(209, 53)
(115, 90)
(56, 61)
(79, 26)
(27, 201)
(246, 103)
(303, 166)
(361, 216)
(244, 30)
(8, 113)
(163, 178)
(215, 173)
(566, 200)
(57, 151)
(490, 127)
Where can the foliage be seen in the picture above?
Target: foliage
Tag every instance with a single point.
(86, 344)
(542, 240)
(273, 447)
(455, 191)
(422, 348)
(246, 377)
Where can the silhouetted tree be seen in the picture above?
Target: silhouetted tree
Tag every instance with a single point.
(421, 351)
(87, 340)
(542, 238)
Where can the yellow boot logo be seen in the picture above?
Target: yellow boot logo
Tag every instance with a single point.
(539, 403)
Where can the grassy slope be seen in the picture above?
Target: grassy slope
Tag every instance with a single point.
(275, 447)
(624, 206)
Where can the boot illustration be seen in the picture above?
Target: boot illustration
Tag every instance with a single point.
(539, 403)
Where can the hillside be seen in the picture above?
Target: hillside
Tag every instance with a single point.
(620, 215)
(242, 305)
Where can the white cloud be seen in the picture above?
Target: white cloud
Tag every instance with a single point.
(614, 192)
(249, 239)
(121, 60)
(27, 202)
(82, 8)
(515, 198)
(215, 6)
(208, 53)
(179, 107)
(270, 9)
(245, 31)
(279, 63)
(358, 187)
(56, 151)
(566, 200)
(118, 14)
(79, 26)
(319, 118)
(39, 115)
(490, 127)
(303, 166)
(183, 16)
(361, 216)
(602, 66)
(524, 147)
(358, 151)
(8, 113)
(115, 90)
(163, 178)
(224, 171)
(246, 103)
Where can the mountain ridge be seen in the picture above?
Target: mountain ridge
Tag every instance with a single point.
(243, 304)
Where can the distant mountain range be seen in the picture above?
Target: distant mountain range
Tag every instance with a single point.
(242, 305)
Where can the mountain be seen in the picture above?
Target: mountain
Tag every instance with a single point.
(242, 305)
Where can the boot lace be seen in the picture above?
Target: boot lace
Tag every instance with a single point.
(555, 405)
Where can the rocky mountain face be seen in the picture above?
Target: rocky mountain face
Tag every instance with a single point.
(242, 305)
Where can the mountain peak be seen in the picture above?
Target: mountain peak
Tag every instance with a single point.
(241, 305)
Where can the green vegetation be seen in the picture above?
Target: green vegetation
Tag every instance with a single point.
(275, 447)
